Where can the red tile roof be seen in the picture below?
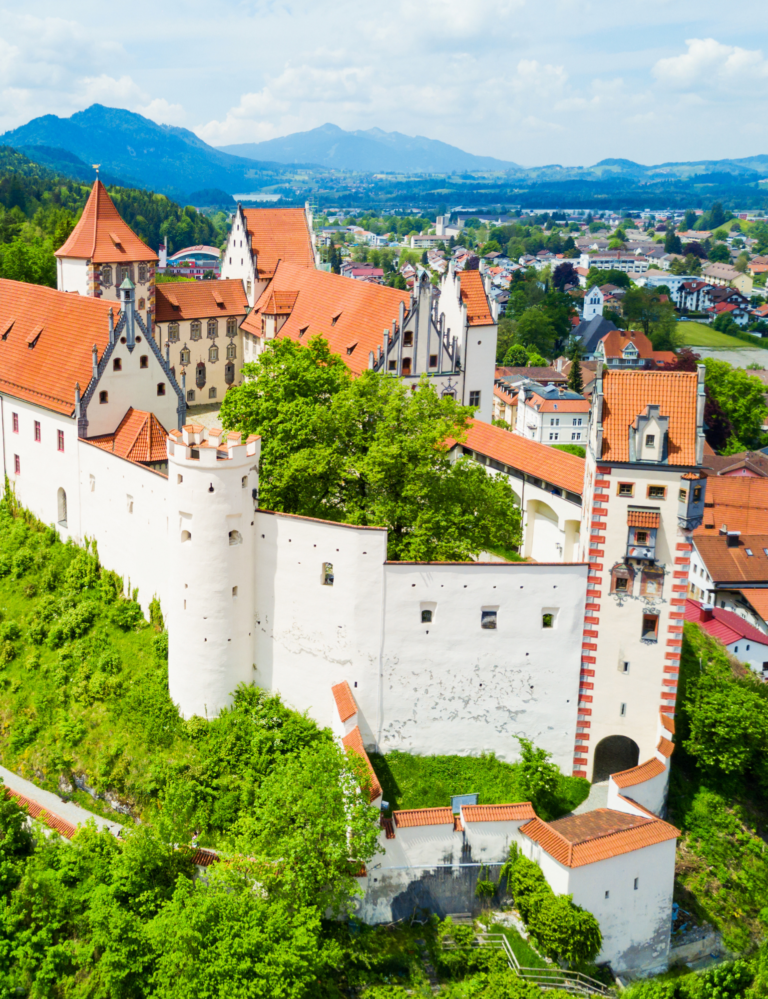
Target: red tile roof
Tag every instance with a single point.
(423, 817)
(627, 394)
(740, 501)
(643, 518)
(199, 299)
(354, 742)
(388, 826)
(140, 437)
(204, 858)
(47, 372)
(36, 811)
(474, 297)
(351, 315)
(639, 774)
(724, 625)
(345, 701)
(615, 342)
(667, 723)
(665, 747)
(578, 840)
(102, 236)
(279, 234)
(757, 597)
(558, 467)
(518, 812)
(733, 565)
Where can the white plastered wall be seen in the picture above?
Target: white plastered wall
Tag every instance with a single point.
(450, 686)
(237, 259)
(477, 344)
(131, 386)
(72, 275)
(309, 636)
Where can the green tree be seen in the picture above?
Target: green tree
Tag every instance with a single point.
(575, 377)
(672, 243)
(728, 726)
(368, 451)
(505, 338)
(565, 930)
(492, 246)
(720, 254)
(516, 356)
(643, 307)
(741, 397)
(535, 329)
(539, 777)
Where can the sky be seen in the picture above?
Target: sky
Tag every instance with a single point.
(531, 81)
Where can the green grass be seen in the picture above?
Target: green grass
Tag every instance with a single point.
(700, 335)
(429, 781)
(525, 954)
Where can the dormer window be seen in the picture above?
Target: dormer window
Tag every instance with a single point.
(650, 440)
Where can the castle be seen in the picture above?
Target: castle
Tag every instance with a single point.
(580, 657)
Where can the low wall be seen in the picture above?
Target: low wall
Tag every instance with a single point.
(392, 894)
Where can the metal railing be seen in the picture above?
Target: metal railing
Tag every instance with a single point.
(573, 982)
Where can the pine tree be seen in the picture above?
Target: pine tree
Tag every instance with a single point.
(575, 378)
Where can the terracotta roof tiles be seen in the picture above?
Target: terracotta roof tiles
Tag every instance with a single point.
(724, 625)
(345, 701)
(732, 564)
(739, 501)
(36, 811)
(627, 394)
(667, 723)
(578, 840)
(757, 598)
(639, 774)
(102, 236)
(140, 437)
(279, 234)
(423, 817)
(615, 343)
(199, 299)
(643, 518)
(46, 373)
(362, 311)
(474, 297)
(354, 741)
(520, 811)
(558, 467)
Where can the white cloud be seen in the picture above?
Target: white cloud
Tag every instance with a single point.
(708, 64)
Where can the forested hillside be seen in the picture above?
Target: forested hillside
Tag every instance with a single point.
(39, 208)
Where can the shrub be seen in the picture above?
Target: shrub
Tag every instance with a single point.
(7, 653)
(72, 624)
(564, 930)
(127, 614)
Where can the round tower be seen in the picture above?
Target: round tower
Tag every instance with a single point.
(212, 488)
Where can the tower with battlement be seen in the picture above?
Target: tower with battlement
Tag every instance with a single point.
(212, 494)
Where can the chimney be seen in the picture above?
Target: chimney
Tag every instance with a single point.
(706, 612)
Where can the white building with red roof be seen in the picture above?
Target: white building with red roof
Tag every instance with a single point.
(738, 636)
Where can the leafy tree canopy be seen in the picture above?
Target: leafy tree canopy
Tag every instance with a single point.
(369, 451)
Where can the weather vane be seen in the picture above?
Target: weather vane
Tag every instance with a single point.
(96, 168)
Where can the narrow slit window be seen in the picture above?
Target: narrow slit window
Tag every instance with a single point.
(38, 433)
(103, 398)
(327, 574)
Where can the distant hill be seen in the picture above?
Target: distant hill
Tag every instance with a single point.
(370, 151)
(142, 153)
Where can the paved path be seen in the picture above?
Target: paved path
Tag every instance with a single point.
(738, 357)
(67, 810)
(597, 798)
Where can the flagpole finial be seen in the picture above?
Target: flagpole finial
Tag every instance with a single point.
(96, 168)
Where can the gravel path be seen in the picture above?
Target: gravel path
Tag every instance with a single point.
(67, 810)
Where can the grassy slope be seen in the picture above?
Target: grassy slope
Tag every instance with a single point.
(429, 781)
(700, 335)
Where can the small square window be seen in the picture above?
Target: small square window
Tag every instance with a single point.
(212, 392)
(143, 361)
(622, 584)
(103, 398)
(641, 538)
(117, 364)
(682, 495)
(488, 619)
(392, 366)
(426, 617)
(650, 440)
(626, 489)
(657, 492)
(697, 494)
(474, 398)
(161, 388)
(607, 894)
(433, 360)
(547, 620)
(190, 395)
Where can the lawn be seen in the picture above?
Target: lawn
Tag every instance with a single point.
(700, 335)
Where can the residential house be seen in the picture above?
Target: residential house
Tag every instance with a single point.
(729, 569)
(615, 260)
(589, 333)
(552, 415)
(630, 349)
(741, 639)
(726, 276)
(505, 404)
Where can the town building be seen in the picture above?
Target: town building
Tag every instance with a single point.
(742, 640)
(614, 260)
(552, 415)
(630, 349)
(196, 262)
(727, 276)
(594, 301)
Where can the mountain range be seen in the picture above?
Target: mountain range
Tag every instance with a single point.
(369, 151)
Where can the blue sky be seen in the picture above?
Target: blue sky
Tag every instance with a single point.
(534, 81)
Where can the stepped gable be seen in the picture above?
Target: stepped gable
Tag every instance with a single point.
(474, 297)
(46, 342)
(102, 236)
(351, 315)
(175, 300)
(603, 833)
(557, 467)
(140, 437)
(279, 234)
(627, 395)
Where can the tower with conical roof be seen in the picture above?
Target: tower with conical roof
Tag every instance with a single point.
(102, 251)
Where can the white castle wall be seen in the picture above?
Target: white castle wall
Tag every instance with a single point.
(72, 275)
(451, 686)
(209, 608)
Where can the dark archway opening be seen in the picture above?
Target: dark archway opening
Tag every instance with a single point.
(614, 754)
